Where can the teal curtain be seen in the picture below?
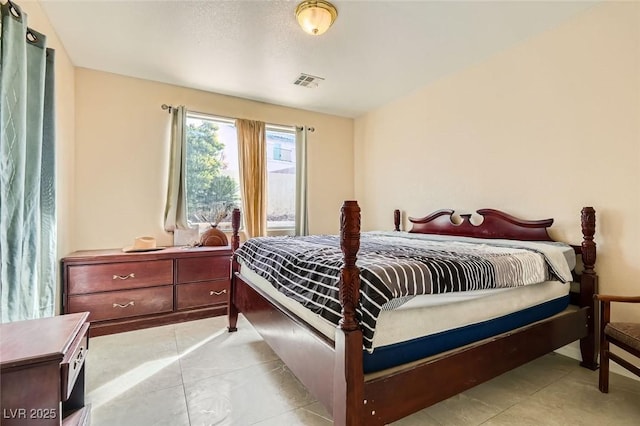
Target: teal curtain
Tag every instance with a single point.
(27, 173)
(175, 211)
(302, 225)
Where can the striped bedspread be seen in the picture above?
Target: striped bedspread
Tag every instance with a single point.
(397, 266)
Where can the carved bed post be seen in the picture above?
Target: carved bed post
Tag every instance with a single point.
(232, 311)
(396, 220)
(350, 274)
(589, 286)
(348, 380)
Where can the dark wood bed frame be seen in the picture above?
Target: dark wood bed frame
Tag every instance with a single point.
(333, 372)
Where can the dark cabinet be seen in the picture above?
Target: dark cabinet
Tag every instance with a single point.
(42, 371)
(127, 291)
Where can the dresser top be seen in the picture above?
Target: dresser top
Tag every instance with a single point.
(117, 255)
(44, 339)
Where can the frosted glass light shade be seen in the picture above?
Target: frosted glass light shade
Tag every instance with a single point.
(315, 17)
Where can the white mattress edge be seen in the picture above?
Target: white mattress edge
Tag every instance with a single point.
(411, 322)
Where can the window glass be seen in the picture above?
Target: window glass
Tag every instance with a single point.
(281, 178)
(213, 176)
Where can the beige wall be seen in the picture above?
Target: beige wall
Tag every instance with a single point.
(539, 130)
(64, 122)
(122, 154)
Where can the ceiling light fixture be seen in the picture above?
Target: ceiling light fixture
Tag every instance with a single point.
(316, 16)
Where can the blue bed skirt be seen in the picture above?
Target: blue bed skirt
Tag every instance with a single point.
(422, 347)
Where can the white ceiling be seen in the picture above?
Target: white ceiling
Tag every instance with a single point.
(375, 52)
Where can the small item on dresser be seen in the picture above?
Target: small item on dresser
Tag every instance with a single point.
(141, 244)
(213, 237)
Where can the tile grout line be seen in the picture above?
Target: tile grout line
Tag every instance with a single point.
(563, 376)
(317, 414)
(184, 391)
(566, 373)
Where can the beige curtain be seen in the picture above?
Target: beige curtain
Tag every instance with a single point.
(252, 150)
(175, 211)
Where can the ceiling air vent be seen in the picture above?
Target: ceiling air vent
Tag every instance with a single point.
(308, 81)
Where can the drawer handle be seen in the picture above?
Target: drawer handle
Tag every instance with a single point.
(217, 293)
(117, 305)
(79, 358)
(124, 277)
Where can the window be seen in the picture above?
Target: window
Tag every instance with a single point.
(212, 169)
(281, 177)
(213, 173)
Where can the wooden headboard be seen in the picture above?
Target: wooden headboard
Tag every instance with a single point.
(495, 224)
(500, 225)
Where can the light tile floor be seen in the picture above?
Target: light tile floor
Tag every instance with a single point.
(195, 373)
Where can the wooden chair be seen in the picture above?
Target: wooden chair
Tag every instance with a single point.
(625, 335)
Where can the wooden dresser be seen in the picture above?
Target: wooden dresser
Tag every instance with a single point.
(42, 371)
(127, 291)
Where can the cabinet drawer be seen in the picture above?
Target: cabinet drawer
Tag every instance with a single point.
(73, 361)
(124, 303)
(202, 294)
(119, 276)
(203, 268)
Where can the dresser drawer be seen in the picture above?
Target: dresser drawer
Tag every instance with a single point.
(119, 276)
(202, 294)
(73, 361)
(124, 303)
(203, 268)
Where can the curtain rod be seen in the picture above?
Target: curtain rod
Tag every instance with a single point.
(169, 108)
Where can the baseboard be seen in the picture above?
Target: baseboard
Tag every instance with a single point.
(572, 350)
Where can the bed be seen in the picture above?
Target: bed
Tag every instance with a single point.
(335, 365)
